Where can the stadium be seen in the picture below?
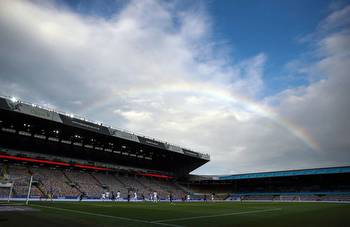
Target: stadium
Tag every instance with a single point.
(60, 169)
(174, 113)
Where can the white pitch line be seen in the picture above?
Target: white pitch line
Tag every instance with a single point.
(106, 216)
(216, 215)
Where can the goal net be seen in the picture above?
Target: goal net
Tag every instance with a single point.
(15, 186)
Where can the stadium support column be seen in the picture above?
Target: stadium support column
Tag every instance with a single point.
(30, 187)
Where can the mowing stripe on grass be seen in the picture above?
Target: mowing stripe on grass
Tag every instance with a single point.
(216, 215)
(106, 216)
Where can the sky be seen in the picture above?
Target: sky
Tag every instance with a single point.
(258, 85)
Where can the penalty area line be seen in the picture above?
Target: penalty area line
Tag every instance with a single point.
(216, 215)
(105, 215)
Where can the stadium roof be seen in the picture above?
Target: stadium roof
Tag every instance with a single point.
(31, 128)
(14, 104)
(286, 173)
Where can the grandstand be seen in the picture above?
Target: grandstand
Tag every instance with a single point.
(46, 155)
(69, 156)
(322, 184)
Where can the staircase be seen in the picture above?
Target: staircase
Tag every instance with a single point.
(183, 188)
(97, 180)
(70, 183)
(38, 186)
(117, 179)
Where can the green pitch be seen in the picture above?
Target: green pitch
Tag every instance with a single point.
(65, 214)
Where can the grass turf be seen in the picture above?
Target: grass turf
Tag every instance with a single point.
(66, 214)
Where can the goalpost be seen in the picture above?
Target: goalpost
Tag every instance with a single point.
(9, 186)
(12, 183)
(29, 189)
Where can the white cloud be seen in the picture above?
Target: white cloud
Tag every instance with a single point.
(158, 73)
(135, 116)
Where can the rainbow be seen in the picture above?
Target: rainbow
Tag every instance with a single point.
(223, 95)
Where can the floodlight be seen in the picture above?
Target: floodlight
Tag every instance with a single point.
(14, 99)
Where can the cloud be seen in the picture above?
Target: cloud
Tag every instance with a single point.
(336, 19)
(159, 74)
(322, 107)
